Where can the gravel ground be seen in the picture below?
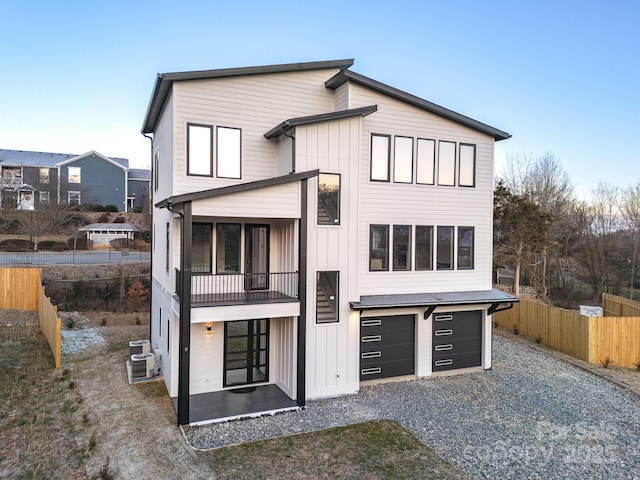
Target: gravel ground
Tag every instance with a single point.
(534, 416)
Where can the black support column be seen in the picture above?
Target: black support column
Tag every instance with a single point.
(302, 293)
(184, 341)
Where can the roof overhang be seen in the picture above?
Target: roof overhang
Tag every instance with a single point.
(164, 81)
(345, 76)
(92, 153)
(494, 298)
(323, 117)
(177, 200)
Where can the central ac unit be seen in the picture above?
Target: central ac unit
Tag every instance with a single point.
(139, 346)
(143, 365)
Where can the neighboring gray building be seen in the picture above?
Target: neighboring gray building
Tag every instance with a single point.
(33, 180)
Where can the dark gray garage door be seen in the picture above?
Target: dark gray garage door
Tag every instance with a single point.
(387, 346)
(457, 340)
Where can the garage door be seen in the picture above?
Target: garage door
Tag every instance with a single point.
(387, 346)
(457, 340)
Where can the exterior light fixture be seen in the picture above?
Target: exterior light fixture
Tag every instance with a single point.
(209, 326)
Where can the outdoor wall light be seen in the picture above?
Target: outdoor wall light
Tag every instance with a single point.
(209, 326)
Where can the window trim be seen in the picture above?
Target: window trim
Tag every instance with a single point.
(388, 137)
(473, 248)
(473, 173)
(453, 177)
(188, 171)
(431, 249)
(395, 159)
(433, 161)
(210, 270)
(218, 127)
(79, 175)
(318, 222)
(452, 250)
(336, 294)
(409, 237)
(69, 193)
(386, 257)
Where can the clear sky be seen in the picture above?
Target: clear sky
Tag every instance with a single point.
(559, 75)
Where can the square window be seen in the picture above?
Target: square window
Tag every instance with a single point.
(199, 161)
(403, 160)
(424, 247)
(467, 171)
(380, 158)
(379, 248)
(444, 251)
(402, 247)
(73, 198)
(73, 174)
(446, 163)
(228, 152)
(465, 248)
(328, 199)
(228, 248)
(327, 297)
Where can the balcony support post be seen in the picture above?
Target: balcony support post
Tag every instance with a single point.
(184, 341)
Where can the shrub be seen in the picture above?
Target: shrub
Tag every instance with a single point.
(80, 243)
(145, 236)
(103, 219)
(16, 245)
(137, 293)
(119, 243)
(119, 219)
(111, 208)
(52, 246)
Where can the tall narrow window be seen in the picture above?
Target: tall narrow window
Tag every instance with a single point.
(380, 158)
(160, 323)
(467, 172)
(444, 251)
(199, 161)
(424, 247)
(403, 160)
(426, 161)
(156, 170)
(379, 248)
(44, 175)
(402, 247)
(166, 258)
(446, 163)
(228, 248)
(201, 247)
(73, 174)
(465, 248)
(328, 199)
(327, 297)
(228, 152)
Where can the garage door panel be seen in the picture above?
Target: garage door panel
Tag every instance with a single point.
(385, 369)
(372, 355)
(457, 340)
(458, 360)
(387, 346)
(465, 327)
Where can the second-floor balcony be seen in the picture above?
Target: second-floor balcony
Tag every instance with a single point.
(241, 288)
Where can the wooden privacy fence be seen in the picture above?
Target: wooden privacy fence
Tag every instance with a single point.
(614, 306)
(593, 339)
(21, 289)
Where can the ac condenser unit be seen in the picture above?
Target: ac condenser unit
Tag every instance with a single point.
(143, 365)
(139, 346)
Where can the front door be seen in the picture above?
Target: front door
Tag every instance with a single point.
(257, 257)
(246, 352)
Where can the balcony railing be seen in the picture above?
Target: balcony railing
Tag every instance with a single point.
(241, 288)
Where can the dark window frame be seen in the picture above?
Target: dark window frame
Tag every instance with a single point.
(335, 302)
(433, 160)
(395, 159)
(238, 248)
(388, 137)
(209, 227)
(397, 267)
(473, 173)
(451, 229)
(338, 201)
(431, 249)
(385, 257)
(167, 248)
(472, 248)
(210, 128)
(453, 176)
(218, 127)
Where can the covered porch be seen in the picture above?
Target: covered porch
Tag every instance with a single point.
(249, 401)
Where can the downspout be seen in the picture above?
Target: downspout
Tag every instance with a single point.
(152, 245)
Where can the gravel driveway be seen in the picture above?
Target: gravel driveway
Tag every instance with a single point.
(532, 416)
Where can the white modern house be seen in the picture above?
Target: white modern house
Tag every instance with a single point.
(314, 229)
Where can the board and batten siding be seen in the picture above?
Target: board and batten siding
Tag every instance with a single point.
(412, 204)
(332, 348)
(253, 103)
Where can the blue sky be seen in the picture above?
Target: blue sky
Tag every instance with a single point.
(560, 76)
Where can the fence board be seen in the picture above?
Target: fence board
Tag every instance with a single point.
(19, 288)
(50, 325)
(615, 306)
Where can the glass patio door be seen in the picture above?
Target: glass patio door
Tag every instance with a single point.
(246, 352)
(257, 257)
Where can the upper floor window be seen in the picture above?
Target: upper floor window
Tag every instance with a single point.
(228, 152)
(379, 248)
(327, 297)
(403, 160)
(380, 157)
(444, 248)
(446, 163)
(426, 161)
(44, 175)
(465, 248)
(199, 150)
(467, 169)
(74, 174)
(328, 199)
(201, 247)
(228, 248)
(402, 247)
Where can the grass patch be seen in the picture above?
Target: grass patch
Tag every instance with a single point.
(379, 449)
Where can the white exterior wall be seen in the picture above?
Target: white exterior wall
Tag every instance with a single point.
(332, 349)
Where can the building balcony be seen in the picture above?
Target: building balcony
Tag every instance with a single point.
(241, 289)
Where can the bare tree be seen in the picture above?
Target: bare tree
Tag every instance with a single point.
(631, 215)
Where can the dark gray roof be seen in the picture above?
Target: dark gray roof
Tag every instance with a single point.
(241, 187)
(493, 296)
(139, 174)
(346, 75)
(323, 117)
(117, 227)
(43, 159)
(164, 81)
